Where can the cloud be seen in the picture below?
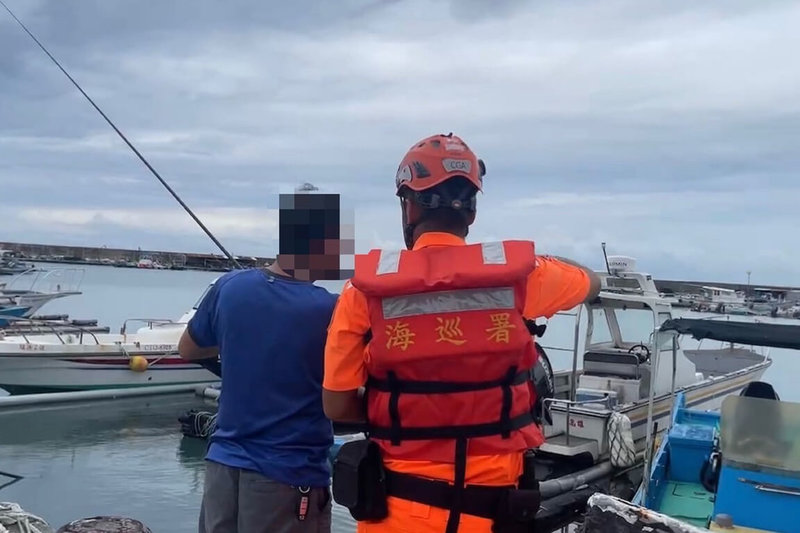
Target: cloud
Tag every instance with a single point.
(666, 128)
(225, 221)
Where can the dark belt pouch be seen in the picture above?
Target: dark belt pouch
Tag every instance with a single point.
(517, 512)
(359, 480)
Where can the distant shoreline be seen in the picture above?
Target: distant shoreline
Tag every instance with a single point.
(100, 263)
(129, 258)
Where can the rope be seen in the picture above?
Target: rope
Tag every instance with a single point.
(11, 514)
(198, 424)
(623, 451)
(205, 423)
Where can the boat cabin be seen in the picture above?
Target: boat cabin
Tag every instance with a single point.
(720, 295)
(620, 354)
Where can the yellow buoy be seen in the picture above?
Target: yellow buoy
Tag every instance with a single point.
(138, 363)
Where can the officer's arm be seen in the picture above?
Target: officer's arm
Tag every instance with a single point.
(594, 279)
(344, 406)
(345, 373)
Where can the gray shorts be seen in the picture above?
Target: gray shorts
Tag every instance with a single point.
(242, 501)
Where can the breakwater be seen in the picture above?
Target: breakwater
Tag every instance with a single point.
(122, 257)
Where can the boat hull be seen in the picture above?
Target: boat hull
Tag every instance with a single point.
(706, 395)
(8, 314)
(31, 374)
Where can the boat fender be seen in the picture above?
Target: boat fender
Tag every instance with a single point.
(620, 437)
(138, 363)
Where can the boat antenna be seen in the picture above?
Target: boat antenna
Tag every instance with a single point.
(604, 253)
(122, 136)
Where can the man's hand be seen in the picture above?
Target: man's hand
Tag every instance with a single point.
(189, 350)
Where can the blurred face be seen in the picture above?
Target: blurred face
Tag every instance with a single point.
(310, 243)
(321, 263)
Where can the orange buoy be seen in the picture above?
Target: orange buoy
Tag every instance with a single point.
(138, 363)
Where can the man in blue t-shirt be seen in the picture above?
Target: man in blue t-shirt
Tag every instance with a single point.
(267, 462)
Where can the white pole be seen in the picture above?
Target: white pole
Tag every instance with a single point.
(674, 371)
(64, 397)
(653, 376)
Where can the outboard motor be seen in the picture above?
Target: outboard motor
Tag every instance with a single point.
(541, 376)
(544, 383)
(760, 389)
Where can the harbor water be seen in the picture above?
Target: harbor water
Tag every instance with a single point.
(128, 456)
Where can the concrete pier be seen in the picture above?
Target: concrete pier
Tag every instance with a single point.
(121, 257)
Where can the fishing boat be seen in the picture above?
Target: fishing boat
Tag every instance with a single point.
(9, 311)
(736, 469)
(11, 264)
(34, 289)
(598, 419)
(84, 360)
(629, 364)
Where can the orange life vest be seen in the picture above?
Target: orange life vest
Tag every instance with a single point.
(450, 355)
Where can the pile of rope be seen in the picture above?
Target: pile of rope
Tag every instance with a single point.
(196, 423)
(14, 519)
(623, 451)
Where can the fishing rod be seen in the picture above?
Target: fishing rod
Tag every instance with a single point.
(122, 136)
(213, 365)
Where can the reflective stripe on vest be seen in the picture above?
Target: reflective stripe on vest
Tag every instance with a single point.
(389, 262)
(493, 253)
(427, 303)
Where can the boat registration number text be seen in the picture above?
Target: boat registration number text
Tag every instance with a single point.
(158, 347)
(32, 347)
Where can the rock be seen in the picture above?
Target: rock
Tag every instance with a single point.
(104, 524)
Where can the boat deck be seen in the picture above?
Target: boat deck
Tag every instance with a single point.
(689, 502)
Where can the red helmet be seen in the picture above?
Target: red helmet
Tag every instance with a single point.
(436, 159)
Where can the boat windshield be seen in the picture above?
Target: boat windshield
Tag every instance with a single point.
(757, 433)
(600, 331)
(197, 303)
(636, 326)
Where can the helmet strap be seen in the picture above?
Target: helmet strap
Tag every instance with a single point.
(408, 229)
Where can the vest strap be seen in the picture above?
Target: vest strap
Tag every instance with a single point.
(505, 409)
(394, 412)
(451, 432)
(458, 485)
(444, 387)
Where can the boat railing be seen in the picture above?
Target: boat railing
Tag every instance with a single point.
(48, 281)
(150, 322)
(50, 328)
(606, 400)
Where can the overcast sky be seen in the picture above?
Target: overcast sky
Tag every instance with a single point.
(668, 129)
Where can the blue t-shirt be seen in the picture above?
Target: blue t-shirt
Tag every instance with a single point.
(271, 334)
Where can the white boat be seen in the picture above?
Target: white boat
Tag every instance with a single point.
(59, 362)
(34, 289)
(623, 371)
(10, 263)
(150, 263)
(721, 295)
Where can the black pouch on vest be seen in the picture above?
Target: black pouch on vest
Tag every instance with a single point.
(359, 482)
